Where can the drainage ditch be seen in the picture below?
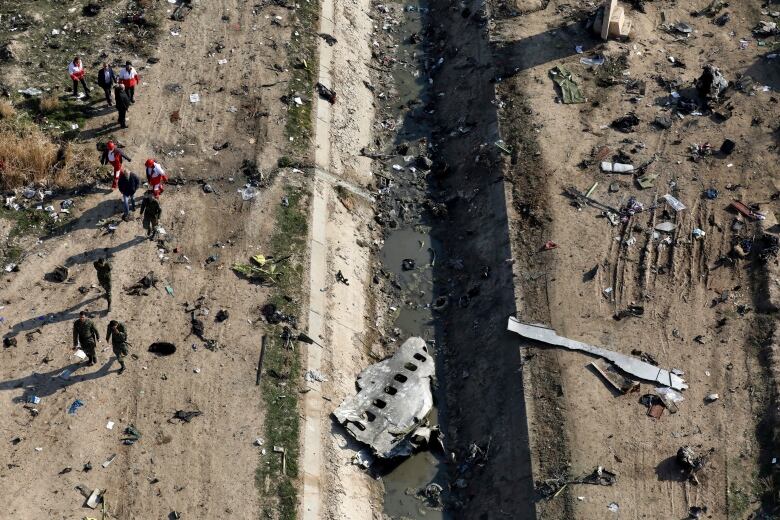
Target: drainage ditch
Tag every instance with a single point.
(447, 258)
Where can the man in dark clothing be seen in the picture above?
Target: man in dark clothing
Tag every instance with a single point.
(151, 210)
(117, 334)
(128, 184)
(122, 104)
(103, 268)
(86, 335)
(106, 79)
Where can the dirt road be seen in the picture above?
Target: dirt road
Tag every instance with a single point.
(206, 468)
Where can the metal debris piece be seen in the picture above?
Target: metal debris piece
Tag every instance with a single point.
(619, 382)
(628, 364)
(393, 400)
(692, 463)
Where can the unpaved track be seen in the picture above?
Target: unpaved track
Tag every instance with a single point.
(332, 487)
(205, 468)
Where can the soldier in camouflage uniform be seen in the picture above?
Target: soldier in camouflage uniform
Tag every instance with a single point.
(103, 268)
(151, 209)
(117, 334)
(85, 334)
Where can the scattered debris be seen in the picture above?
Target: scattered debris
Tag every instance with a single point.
(611, 21)
(314, 375)
(630, 365)
(625, 123)
(326, 93)
(619, 382)
(185, 416)
(692, 463)
(78, 403)
(711, 84)
(552, 487)
(393, 400)
(570, 92)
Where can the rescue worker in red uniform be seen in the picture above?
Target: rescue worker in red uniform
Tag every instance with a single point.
(155, 175)
(114, 156)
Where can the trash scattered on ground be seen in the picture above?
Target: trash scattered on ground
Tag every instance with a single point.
(670, 398)
(132, 435)
(614, 507)
(675, 204)
(110, 425)
(260, 269)
(109, 460)
(611, 21)
(341, 278)
(185, 416)
(31, 91)
(94, 499)
(625, 123)
(616, 380)
(139, 288)
(745, 211)
(710, 398)
(666, 227)
(552, 487)
(314, 375)
(393, 401)
(75, 406)
(607, 166)
(633, 366)
(194, 98)
(59, 274)
(570, 92)
(326, 93)
(711, 84)
(691, 463)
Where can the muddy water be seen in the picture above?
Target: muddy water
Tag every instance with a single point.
(410, 240)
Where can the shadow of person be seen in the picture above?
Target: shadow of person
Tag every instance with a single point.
(71, 313)
(48, 383)
(100, 131)
(89, 217)
(99, 252)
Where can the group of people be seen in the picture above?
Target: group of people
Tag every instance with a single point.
(122, 84)
(86, 336)
(128, 183)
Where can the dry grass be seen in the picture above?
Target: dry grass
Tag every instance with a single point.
(48, 104)
(28, 156)
(7, 110)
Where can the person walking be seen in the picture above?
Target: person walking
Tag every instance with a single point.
(106, 79)
(122, 104)
(128, 185)
(155, 176)
(129, 78)
(86, 335)
(103, 268)
(151, 209)
(117, 334)
(114, 156)
(77, 72)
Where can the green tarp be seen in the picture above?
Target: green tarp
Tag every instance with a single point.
(570, 92)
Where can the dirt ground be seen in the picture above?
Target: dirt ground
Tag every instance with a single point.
(514, 414)
(202, 469)
(576, 423)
